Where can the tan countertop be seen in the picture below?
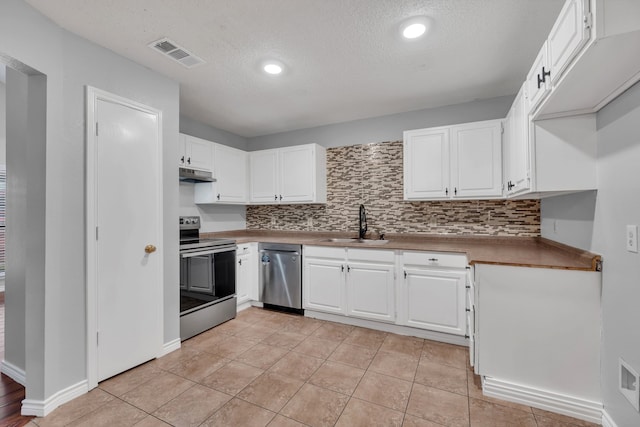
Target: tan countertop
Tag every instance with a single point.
(516, 251)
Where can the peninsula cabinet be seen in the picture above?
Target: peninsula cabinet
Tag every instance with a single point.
(433, 292)
(454, 162)
(538, 337)
(195, 153)
(230, 173)
(288, 175)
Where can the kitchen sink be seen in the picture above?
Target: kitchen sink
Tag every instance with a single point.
(358, 241)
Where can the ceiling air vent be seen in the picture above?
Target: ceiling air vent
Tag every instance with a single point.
(177, 53)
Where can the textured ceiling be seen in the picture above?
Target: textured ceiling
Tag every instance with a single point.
(344, 58)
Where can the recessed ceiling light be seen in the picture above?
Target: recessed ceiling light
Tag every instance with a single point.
(414, 31)
(414, 28)
(272, 68)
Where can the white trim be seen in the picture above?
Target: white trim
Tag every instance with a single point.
(549, 401)
(607, 421)
(41, 408)
(92, 97)
(170, 346)
(15, 373)
(389, 327)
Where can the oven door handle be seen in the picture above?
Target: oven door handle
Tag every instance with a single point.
(207, 252)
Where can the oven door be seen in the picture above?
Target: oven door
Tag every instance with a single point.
(211, 272)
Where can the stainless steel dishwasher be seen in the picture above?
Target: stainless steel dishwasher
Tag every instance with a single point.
(281, 275)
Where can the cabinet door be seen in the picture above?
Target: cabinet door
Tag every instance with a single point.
(263, 170)
(243, 278)
(182, 149)
(476, 159)
(426, 164)
(538, 84)
(199, 153)
(324, 285)
(517, 147)
(231, 174)
(370, 290)
(435, 300)
(568, 35)
(297, 174)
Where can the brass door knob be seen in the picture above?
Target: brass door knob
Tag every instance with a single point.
(149, 249)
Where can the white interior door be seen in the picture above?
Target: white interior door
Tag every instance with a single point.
(124, 163)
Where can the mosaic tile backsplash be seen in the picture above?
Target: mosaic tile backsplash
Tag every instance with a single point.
(371, 174)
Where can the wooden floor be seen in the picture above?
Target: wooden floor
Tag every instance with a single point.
(11, 393)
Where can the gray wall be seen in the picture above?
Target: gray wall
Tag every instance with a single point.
(69, 64)
(201, 130)
(616, 204)
(3, 125)
(386, 128)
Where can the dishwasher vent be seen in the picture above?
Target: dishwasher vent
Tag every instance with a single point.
(179, 54)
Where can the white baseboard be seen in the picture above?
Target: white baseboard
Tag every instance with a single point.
(13, 372)
(389, 327)
(41, 408)
(170, 346)
(607, 421)
(244, 306)
(549, 401)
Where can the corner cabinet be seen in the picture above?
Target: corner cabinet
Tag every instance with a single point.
(195, 153)
(454, 162)
(230, 172)
(549, 157)
(288, 175)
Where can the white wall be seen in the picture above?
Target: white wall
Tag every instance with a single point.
(617, 204)
(3, 119)
(386, 128)
(54, 321)
(569, 219)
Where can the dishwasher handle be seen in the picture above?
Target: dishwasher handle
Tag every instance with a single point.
(296, 253)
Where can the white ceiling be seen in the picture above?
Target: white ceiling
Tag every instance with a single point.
(344, 58)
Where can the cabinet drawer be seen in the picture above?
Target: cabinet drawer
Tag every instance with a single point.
(324, 252)
(371, 255)
(435, 259)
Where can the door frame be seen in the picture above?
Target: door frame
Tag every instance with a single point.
(93, 95)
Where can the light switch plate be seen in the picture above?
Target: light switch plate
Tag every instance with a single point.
(632, 238)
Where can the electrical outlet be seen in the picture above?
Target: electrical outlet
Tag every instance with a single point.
(309, 222)
(555, 226)
(273, 221)
(632, 238)
(628, 383)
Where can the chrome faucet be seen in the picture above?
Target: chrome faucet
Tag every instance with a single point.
(363, 223)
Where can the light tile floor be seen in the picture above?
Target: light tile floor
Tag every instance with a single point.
(269, 368)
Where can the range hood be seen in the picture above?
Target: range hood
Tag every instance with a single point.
(194, 175)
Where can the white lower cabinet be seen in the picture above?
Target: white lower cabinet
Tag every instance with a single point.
(435, 300)
(433, 292)
(371, 288)
(247, 273)
(352, 282)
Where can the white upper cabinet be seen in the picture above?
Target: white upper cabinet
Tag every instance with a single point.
(230, 172)
(591, 58)
(289, 175)
(195, 153)
(476, 159)
(453, 162)
(516, 146)
(263, 171)
(537, 82)
(426, 164)
(569, 33)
